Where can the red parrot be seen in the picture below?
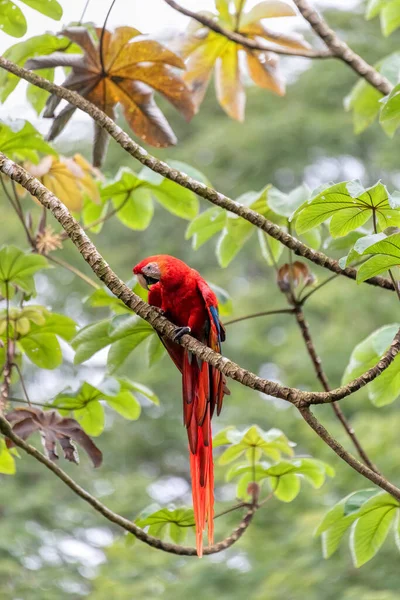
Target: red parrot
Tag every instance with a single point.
(187, 300)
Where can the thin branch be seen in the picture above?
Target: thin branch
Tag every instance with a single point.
(9, 357)
(16, 206)
(238, 38)
(101, 43)
(83, 12)
(126, 524)
(316, 361)
(102, 270)
(316, 288)
(21, 378)
(341, 50)
(77, 272)
(185, 181)
(100, 220)
(264, 313)
(364, 470)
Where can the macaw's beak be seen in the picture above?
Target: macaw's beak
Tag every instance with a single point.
(142, 281)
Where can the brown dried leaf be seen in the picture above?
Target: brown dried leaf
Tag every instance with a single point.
(291, 276)
(53, 428)
(133, 66)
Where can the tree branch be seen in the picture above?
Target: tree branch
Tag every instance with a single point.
(341, 50)
(126, 524)
(373, 476)
(103, 271)
(305, 332)
(187, 182)
(238, 38)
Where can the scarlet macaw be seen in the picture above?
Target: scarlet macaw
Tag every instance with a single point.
(186, 299)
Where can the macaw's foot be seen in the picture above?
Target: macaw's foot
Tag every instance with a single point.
(179, 332)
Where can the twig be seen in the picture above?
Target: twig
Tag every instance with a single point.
(7, 370)
(100, 220)
(204, 191)
(260, 314)
(316, 288)
(77, 272)
(126, 524)
(305, 332)
(103, 29)
(21, 378)
(341, 50)
(17, 207)
(166, 328)
(238, 38)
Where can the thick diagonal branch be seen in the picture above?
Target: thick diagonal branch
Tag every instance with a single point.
(341, 50)
(204, 191)
(316, 361)
(118, 519)
(103, 271)
(238, 38)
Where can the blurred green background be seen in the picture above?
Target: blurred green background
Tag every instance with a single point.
(52, 545)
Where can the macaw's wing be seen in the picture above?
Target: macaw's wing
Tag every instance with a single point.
(214, 337)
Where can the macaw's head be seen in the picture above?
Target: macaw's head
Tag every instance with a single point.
(160, 268)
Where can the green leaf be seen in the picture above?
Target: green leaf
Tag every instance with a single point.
(103, 297)
(205, 225)
(390, 17)
(141, 389)
(131, 199)
(271, 249)
(17, 269)
(36, 96)
(7, 462)
(90, 340)
(285, 488)
(49, 8)
(43, 349)
(177, 200)
(39, 45)
(372, 526)
(21, 141)
(177, 522)
(386, 387)
(390, 113)
(374, 7)
(155, 350)
(12, 20)
(91, 417)
(348, 207)
(92, 212)
(126, 333)
(340, 518)
(386, 254)
(364, 100)
(125, 404)
(287, 204)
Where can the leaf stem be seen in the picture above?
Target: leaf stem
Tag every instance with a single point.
(263, 313)
(103, 29)
(63, 263)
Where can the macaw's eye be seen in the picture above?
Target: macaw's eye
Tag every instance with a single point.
(150, 275)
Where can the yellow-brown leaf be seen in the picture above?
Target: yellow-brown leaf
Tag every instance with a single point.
(200, 65)
(264, 72)
(229, 88)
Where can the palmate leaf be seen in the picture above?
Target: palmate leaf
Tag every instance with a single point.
(205, 50)
(21, 141)
(132, 65)
(369, 514)
(13, 21)
(385, 388)
(390, 112)
(173, 522)
(86, 407)
(7, 462)
(53, 428)
(72, 180)
(272, 443)
(17, 269)
(348, 206)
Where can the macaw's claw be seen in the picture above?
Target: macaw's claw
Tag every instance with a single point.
(179, 332)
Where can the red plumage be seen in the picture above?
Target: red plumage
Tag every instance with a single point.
(188, 301)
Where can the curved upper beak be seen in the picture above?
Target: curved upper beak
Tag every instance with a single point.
(142, 281)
